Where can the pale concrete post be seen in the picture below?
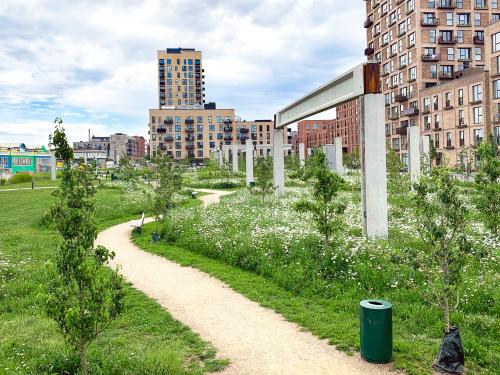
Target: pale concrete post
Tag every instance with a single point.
(426, 151)
(302, 155)
(414, 154)
(235, 158)
(329, 151)
(278, 161)
(220, 156)
(249, 162)
(373, 166)
(225, 151)
(53, 167)
(309, 151)
(339, 161)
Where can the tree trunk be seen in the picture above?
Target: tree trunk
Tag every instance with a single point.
(83, 358)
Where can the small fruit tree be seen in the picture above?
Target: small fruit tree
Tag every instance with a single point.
(325, 206)
(488, 186)
(83, 296)
(442, 225)
(264, 176)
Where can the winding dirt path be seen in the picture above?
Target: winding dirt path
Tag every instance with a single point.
(257, 340)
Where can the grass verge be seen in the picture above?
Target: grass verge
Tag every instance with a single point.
(144, 340)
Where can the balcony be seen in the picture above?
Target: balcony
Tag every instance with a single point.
(168, 122)
(228, 120)
(189, 147)
(445, 75)
(161, 130)
(400, 98)
(228, 137)
(449, 147)
(228, 129)
(244, 130)
(431, 22)
(426, 58)
(475, 102)
(369, 51)
(427, 110)
(478, 40)
(402, 130)
(448, 106)
(461, 123)
(403, 66)
(401, 33)
(449, 4)
(169, 138)
(483, 6)
(442, 40)
(411, 112)
(189, 121)
(190, 138)
(437, 127)
(189, 130)
(368, 23)
(394, 116)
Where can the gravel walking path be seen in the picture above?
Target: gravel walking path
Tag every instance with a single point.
(256, 340)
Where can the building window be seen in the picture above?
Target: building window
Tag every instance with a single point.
(448, 139)
(436, 140)
(451, 54)
(461, 97)
(478, 115)
(496, 89)
(477, 19)
(478, 136)
(496, 42)
(449, 19)
(22, 161)
(477, 93)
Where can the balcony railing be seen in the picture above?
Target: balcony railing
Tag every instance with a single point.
(430, 57)
(442, 40)
(244, 130)
(450, 4)
(368, 23)
(189, 147)
(189, 130)
(161, 130)
(437, 126)
(190, 138)
(369, 51)
(432, 22)
(189, 121)
(228, 129)
(478, 40)
(461, 123)
(411, 112)
(426, 110)
(400, 98)
(445, 75)
(402, 130)
(228, 121)
(168, 122)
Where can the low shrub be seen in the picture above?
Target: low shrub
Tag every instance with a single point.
(20, 178)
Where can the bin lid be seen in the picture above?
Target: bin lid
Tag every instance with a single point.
(375, 304)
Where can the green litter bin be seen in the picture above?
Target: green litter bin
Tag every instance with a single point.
(376, 330)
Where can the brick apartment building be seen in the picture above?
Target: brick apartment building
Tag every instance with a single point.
(425, 43)
(185, 126)
(317, 133)
(112, 147)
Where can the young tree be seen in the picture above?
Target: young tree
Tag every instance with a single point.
(314, 162)
(442, 225)
(83, 297)
(127, 171)
(488, 186)
(352, 161)
(397, 179)
(326, 209)
(168, 175)
(264, 176)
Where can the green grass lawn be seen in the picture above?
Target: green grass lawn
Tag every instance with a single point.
(39, 183)
(417, 327)
(144, 340)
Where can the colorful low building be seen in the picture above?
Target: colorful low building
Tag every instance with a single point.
(22, 159)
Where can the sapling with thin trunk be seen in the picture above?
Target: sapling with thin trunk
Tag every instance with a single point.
(442, 225)
(83, 296)
(326, 209)
(264, 176)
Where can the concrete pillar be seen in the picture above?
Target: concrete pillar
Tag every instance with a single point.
(278, 161)
(309, 151)
(414, 154)
(249, 162)
(302, 155)
(373, 166)
(329, 151)
(235, 157)
(225, 151)
(426, 151)
(53, 167)
(220, 156)
(339, 157)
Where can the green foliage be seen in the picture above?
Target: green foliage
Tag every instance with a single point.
(60, 142)
(442, 225)
(325, 209)
(488, 186)
(465, 161)
(19, 178)
(352, 161)
(83, 296)
(168, 176)
(314, 162)
(127, 171)
(397, 179)
(264, 176)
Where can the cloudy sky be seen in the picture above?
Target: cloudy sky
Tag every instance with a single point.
(93, 62)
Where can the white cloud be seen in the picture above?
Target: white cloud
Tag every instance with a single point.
(99, 57)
